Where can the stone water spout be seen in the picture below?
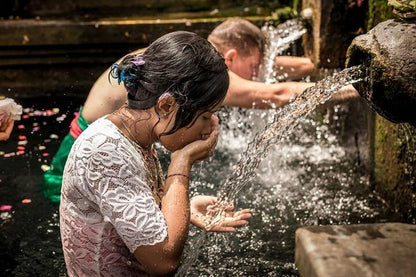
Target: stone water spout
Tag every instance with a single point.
(388, 51)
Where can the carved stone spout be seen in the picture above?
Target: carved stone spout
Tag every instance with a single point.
(388, 51)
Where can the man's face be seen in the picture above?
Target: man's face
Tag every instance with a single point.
(246, 67)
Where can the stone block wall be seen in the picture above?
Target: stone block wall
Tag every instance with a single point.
(65, 57)
(61, 47)
(391, 147)
(333, 26)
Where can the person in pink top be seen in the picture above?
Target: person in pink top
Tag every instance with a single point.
(119, 215)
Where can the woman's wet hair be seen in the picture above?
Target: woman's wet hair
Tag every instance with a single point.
(182, 64)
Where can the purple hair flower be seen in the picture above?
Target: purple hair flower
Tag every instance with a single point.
(138, 60)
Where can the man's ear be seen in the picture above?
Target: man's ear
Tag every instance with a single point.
(166, 104)
(230, 55)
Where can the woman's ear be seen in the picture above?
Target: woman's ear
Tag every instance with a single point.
(229, 56)
(166, 104)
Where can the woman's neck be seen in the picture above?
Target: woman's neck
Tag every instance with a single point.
(136, 125)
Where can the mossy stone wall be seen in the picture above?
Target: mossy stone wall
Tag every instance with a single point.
(84, 10)
(333, 26)
(394, 173)
(394, 146)
(391, 147)
(50, 47)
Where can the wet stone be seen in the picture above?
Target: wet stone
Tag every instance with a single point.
(385, 249)
(388, 53)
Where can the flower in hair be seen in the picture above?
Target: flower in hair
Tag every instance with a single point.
(138, 60)
(121, 76)
(113, 73)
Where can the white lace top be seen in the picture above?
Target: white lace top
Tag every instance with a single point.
(107, 207)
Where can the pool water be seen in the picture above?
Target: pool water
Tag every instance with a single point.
(29, 232)
(310, 178)
(316, 175)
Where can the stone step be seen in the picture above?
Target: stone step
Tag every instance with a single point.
(56, 57)
(383, 249)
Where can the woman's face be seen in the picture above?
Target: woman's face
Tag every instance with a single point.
(200, 129)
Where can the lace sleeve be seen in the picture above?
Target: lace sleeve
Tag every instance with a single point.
(116, 174)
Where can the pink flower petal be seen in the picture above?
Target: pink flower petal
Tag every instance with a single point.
(5, 208)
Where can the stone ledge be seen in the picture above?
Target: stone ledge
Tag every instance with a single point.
(65, 57)
(32, 32)
(385, 249)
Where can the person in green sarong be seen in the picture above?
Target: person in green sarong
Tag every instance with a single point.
(53, 176)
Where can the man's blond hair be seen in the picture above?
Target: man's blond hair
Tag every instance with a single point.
(240, 34)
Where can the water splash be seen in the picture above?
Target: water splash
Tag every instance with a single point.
(285, 120)
(279, 38)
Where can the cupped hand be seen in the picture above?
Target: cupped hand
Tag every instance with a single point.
(205, 147)
(6, 128)
(202, 208)
(5, 121)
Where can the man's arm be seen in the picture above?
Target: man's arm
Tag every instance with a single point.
(105, 96)
(251, 94)
(293, 68)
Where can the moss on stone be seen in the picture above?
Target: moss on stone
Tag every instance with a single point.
(283, 14)
(394, 144)
(378, 11)
(387, 166)
(297, 5)
(394, 165)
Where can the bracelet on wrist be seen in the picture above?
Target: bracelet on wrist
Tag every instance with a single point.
(177, 174)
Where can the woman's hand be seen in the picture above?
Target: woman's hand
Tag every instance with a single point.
(6, 127)
(208, 142)
(203, 204)
(203, 148)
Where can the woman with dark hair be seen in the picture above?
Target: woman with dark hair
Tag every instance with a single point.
(119, 216)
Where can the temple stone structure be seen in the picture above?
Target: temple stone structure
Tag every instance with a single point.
(65, 57)
(60, 47)
(388, 53)
(386, 249)
(366, 250)
(333, 26)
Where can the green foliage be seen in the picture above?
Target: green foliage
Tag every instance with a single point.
(282, 14)
(378, 11)
(405, 6)
(297, 5)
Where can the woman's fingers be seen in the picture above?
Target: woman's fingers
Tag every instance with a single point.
(223, 229)
(205, 209)
(213, 137)
(212, 142)
(244, 214)
(234, 223)
(229, 223)
(205, 148)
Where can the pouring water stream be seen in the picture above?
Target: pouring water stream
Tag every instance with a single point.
(284, 121)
